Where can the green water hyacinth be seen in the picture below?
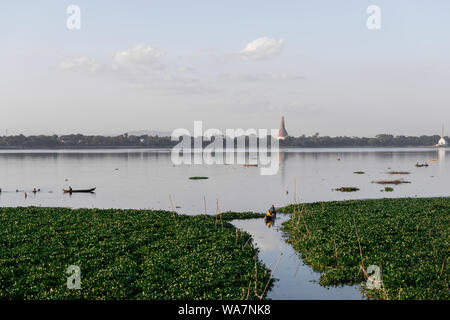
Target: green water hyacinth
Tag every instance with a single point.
(229, 215)
(407, 238)
(125, 254)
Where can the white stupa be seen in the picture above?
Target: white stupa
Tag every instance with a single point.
(442, 142)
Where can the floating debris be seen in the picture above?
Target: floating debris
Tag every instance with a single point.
(391, 181)
(198, 178)
(387, 189)
(347, 189)
(399, 172)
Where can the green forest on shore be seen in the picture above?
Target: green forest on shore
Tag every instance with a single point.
(131, 141)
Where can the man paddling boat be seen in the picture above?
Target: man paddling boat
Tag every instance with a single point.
(272, 212)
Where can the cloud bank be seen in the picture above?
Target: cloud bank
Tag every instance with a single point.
(261, 48)
(140, 55)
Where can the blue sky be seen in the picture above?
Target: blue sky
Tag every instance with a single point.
(315, 62)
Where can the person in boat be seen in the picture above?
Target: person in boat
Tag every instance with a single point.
(272, 211)
(70, 189)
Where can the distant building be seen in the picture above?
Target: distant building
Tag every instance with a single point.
(282, 133)
(442, 142)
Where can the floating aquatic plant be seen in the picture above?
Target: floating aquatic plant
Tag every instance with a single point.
(347, 189)
(399, 172)
(391, 181)
(125, 254)
(406, 238)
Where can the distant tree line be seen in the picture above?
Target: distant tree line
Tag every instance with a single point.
(84, 141)
(145, 141)
(381, 140)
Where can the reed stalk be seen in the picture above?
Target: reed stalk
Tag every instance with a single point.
(270, 278)
(359, 244)
(335, 249)
(173, 210)
(204, 202)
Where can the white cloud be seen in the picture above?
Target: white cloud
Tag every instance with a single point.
(139, 56)
(141, 66)
(261, 48)
(79, 63)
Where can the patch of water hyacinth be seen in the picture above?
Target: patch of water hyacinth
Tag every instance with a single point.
(125, 254)
(406, 238)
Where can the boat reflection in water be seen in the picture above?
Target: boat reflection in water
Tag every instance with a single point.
(270, 221)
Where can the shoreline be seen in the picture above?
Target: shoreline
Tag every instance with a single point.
(284, 148)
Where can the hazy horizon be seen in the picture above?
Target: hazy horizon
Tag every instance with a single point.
(159, 66)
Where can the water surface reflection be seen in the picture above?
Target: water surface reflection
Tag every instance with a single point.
(295, 279)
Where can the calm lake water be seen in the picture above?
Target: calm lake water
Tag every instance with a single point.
(146, 178)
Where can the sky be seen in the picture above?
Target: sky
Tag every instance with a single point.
(160, 65)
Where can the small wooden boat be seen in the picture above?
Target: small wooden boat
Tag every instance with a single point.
(270, 217)
(250, 165)
(79, 191)
(421, 165)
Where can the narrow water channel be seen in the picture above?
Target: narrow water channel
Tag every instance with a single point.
(295, 280)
